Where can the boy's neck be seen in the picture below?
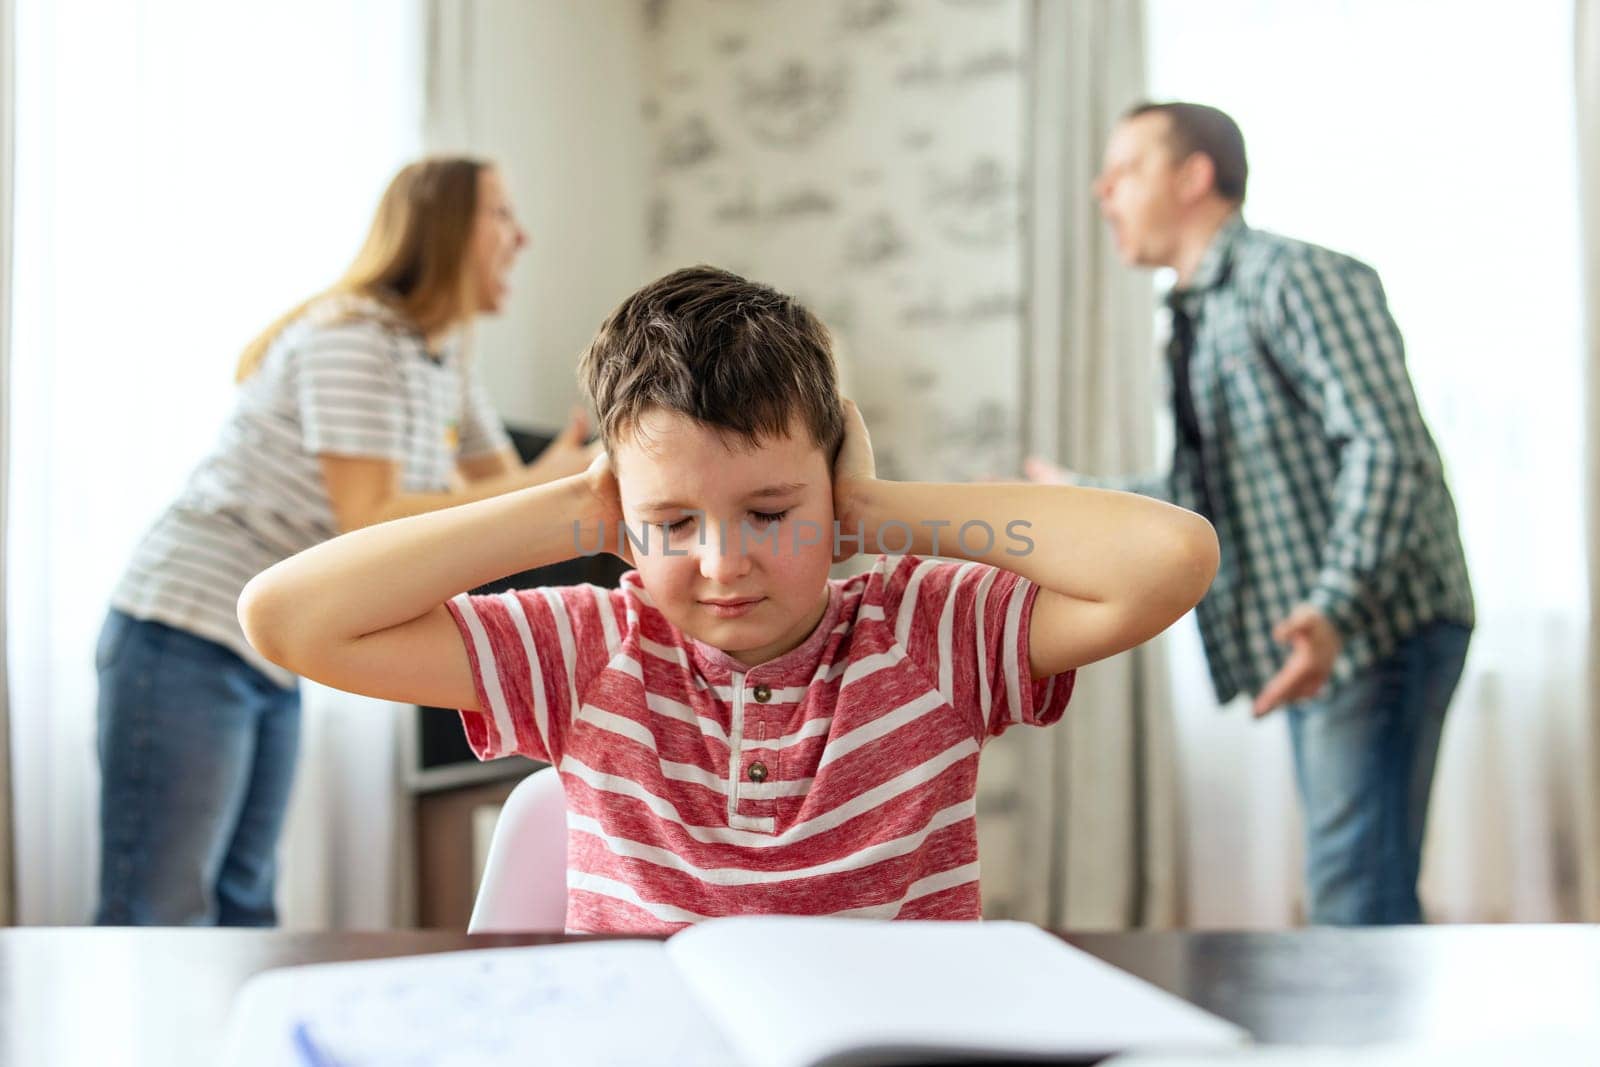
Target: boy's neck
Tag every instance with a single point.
(755, 657)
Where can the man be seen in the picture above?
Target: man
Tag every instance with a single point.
(1343, 591)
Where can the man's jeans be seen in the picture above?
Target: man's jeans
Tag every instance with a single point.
(1364, 757)
(197, 752)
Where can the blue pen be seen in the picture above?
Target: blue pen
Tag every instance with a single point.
(311, 1055)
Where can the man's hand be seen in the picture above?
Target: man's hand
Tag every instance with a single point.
(1314, 646)
(567, 454)
(853, 471)
(1040, 470)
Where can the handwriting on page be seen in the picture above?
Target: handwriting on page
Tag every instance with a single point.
(597, 1005)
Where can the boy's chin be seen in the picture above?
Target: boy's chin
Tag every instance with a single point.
(731, 635)
(757, 632)
(736, 637)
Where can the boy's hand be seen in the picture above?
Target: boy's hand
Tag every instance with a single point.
(853, 471)
(605, 509)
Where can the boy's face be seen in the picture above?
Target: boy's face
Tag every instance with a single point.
(757, 590)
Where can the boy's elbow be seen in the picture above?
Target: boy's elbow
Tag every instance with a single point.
(264, 616)
(1179, 569)
(1196, 555)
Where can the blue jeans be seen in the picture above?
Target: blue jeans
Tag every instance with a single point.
(197, 753)
(1364, 757)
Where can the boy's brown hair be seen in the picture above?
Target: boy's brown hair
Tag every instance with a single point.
(730, 353)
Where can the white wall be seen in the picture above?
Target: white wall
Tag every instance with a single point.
(551, 90)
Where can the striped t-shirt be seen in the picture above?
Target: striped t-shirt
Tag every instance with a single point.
(837, 779)
(349, 378)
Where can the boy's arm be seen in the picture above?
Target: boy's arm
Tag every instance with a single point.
(1113, 569)
(365, 612)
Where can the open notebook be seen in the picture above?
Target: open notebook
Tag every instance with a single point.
(735, 992)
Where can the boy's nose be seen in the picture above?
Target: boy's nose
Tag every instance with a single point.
(719, 561)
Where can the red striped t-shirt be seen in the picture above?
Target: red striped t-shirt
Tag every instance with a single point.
(837, 779)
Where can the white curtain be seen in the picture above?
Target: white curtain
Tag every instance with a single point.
(1458, 186)
(1587, 81)
(1093, 843)
(185, 171)
(7, 111)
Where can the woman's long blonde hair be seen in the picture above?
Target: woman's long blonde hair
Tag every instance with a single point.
(414, 259)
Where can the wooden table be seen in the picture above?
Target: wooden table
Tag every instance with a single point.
(160, 998)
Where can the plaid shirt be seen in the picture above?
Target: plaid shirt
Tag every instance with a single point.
(1313, 461)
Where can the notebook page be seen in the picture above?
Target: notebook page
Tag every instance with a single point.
(793, 992)
(592, 1004)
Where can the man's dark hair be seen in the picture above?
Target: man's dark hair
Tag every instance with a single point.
(1195, 128)
(730, 353)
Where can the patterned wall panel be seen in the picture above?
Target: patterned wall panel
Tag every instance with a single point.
(865, 155)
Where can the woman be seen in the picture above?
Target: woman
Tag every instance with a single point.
(358, 406)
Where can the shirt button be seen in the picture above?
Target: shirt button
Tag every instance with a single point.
(758, 771)
(763, 694)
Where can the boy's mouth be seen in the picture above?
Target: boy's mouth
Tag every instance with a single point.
(732, 608)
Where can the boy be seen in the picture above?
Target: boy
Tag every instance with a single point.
(735, 732)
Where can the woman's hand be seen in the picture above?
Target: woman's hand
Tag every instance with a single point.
(567, 454)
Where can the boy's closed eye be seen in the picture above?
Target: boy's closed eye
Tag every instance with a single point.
(763, 517)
